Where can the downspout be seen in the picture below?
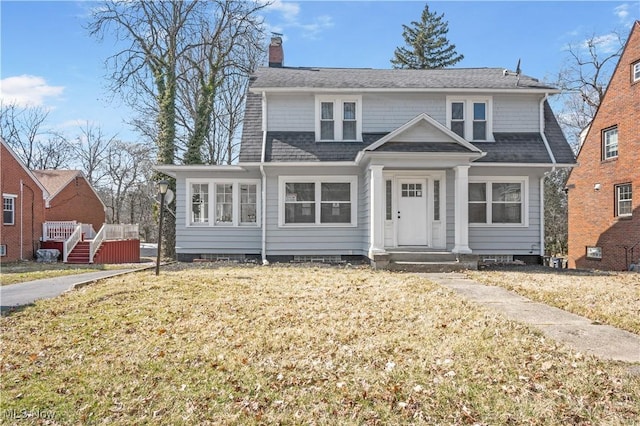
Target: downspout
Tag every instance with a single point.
(553, 168)
(21, 220)
(263, 190)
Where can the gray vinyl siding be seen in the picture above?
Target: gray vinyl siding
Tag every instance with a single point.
(510, 240)
(516, 113)
(387, 112)
(324, 240)
(213, 239)
(291, 112)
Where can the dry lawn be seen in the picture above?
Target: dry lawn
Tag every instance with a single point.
(18, 272)
(294, 345)
(608, 297)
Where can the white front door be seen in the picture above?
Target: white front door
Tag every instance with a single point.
(412, 212)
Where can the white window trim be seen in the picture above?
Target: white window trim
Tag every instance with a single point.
(618, 200)
(604, 143)
(211, 223)
(468, 102)
(635, 72)
(338, 112)
(283, 180)
(523, 180)
(14, 197)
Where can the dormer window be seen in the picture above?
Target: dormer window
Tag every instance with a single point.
(338, 118)
(470, 117)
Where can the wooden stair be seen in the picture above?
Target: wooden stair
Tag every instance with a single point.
(79, 254)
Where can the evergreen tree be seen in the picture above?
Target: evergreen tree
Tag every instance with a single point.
(427, 46)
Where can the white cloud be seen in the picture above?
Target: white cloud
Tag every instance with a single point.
(607, 43)
(291, 19)
(27, 90)
(622, 11)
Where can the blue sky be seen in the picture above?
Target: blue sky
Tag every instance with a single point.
(48, 59)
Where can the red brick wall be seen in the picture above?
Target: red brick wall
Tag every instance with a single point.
(592, 220)
(78, 202)
(29, 210)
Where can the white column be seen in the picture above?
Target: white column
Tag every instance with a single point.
(461, 210)
(376, 210)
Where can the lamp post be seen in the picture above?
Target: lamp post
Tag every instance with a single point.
(163, 186)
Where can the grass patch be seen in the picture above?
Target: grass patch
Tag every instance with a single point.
(611, 298)
(295, 345)
(18, 272)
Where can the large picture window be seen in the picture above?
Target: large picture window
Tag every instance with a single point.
(499, 202)
(223, 203)
(326, 201)
(338, 118)
(8, 210)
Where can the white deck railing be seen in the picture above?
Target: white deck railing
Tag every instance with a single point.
(121, 232)
(58, 231)
(70, 243)
(95, 243)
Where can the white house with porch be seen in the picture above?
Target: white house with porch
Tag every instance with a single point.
(402, 168)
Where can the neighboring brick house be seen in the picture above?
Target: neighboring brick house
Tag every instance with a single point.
(71, 197)
(604, 189)
(23, 201)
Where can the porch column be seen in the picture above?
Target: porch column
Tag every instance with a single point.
(376, 210)
(461, 210)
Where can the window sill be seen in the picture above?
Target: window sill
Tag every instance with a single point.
(316, 225)
(609, 160)
(625, 217)
(498, 225)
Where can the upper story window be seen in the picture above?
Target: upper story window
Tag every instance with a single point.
(470, 117)
(610, 143)
(9, 209)
(223, 203)
(635, 72)
(623, 200)
(338, 118)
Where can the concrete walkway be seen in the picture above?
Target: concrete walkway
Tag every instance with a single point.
(579, 333)
(15, 295)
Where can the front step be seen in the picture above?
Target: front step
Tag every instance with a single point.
(80, 253)
(416, 261)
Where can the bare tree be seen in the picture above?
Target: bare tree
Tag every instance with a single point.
(90, 149)
(584, 79)
(127, 166)
(24, 130)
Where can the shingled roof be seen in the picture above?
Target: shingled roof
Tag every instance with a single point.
(364, 78)
(302, 146)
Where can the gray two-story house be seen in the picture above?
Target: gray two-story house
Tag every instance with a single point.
(370, 163)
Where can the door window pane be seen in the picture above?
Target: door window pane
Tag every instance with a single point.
(436, 200)
(388, 200)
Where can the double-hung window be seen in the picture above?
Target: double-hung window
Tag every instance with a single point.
(324, 201)
(498, 201)
(223, 203)
(610, 143)
(623, 205)
(470, 117)
(339, 118)
(635, 72)
(8, 209)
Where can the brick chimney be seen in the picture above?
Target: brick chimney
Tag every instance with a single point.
(276, 54)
